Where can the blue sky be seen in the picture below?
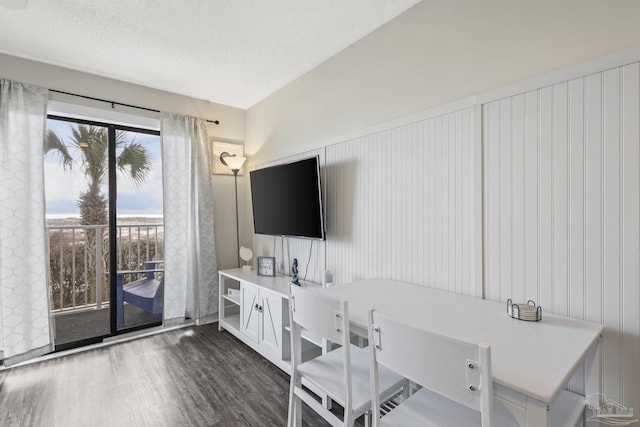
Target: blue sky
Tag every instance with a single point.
(63, 188)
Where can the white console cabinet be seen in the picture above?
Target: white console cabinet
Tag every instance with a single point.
(262, 318)
(255, 309)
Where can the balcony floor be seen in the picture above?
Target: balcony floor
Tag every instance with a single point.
(81, 325)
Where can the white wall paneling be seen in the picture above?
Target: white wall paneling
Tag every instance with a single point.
(524, 194)
(400, 205)
(562, 209)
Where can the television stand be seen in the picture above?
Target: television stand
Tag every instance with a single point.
(255, 309)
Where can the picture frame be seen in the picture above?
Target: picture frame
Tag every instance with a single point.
(221, 147)
(266, 266)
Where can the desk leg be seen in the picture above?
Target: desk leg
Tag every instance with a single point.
(592, 371)
(537, 413)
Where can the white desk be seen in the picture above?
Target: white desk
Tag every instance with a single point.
(532, 361)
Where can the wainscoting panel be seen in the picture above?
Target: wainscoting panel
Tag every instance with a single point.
(399, 205)
(562, 209)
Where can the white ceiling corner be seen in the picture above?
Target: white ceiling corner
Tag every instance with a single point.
(230, 52)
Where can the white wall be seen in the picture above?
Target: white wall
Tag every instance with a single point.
(538, 199)
(231, 128)
(437, 52)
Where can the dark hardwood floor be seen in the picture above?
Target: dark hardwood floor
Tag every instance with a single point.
(194, 376)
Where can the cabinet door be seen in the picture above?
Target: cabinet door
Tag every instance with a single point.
(249, 311)
(271, 330)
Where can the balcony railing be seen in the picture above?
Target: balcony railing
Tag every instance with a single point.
(79, 260)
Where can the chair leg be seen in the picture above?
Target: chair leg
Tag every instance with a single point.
(120, 300)
(406, 389)
(367, 419)
(298, 413)
(295, 409)
(349, 421)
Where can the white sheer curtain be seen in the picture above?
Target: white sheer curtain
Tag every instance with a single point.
(191, 274)
(24, 302)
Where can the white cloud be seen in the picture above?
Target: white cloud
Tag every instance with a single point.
(63, 187)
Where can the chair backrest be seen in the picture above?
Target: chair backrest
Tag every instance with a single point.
(320, 314)
(324, 316)
(152, 265)
(457, 370)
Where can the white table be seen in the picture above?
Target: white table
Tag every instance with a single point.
(532, 361)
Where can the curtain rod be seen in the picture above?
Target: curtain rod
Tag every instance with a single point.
(113, 103)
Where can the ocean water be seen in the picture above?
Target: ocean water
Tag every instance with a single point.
(77, 216)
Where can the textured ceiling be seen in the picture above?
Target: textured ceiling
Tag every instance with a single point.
(234, 52)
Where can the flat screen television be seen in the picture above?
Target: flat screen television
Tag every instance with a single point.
(287, 200)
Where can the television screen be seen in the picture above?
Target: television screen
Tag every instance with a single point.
(287, 200)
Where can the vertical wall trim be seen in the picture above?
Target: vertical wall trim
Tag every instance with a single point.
(552, 296)
(478, 197)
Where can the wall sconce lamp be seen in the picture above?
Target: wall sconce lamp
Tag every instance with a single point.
(234, 163)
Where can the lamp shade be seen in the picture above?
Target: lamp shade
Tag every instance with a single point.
(234, 162)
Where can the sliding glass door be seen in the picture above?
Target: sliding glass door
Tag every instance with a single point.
(103, 188)
(139, 230)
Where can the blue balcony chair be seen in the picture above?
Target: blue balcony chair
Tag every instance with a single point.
(146, 293)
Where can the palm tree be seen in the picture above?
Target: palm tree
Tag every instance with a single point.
(92, 143)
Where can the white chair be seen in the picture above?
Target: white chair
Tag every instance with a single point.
(342, 374)
(456, 379)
